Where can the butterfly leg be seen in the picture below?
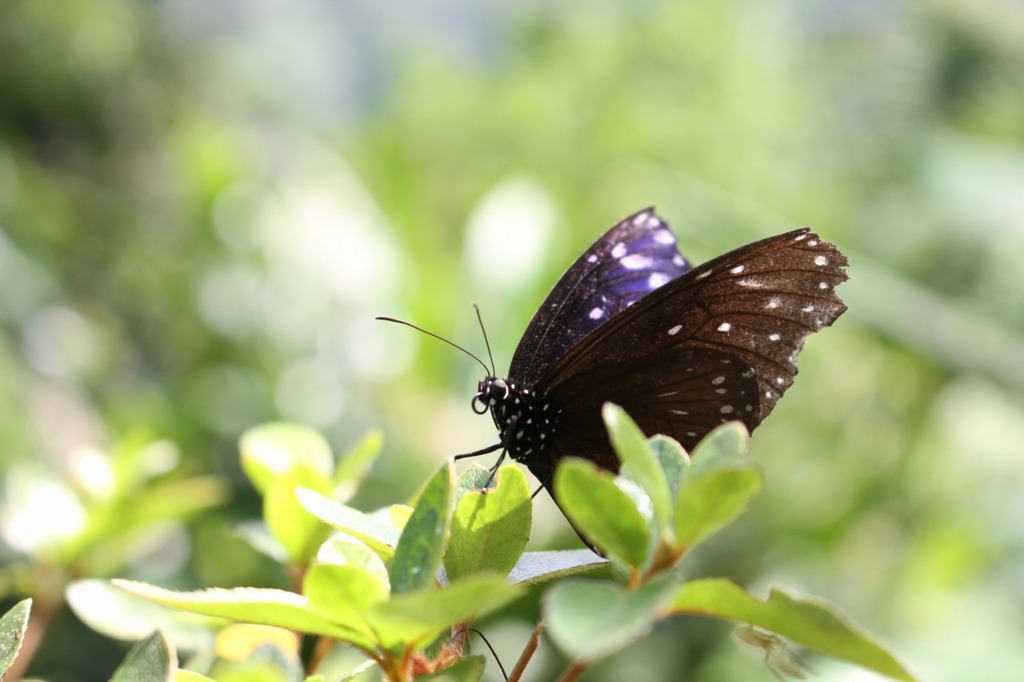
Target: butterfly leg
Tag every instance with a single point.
(477, 453)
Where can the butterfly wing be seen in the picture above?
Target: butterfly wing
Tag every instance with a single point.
(718, 343)
(629, 261)
(676, 391)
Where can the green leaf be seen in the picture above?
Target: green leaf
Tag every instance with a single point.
(602, 511)
(252, 605)
(418, 617)
(298, 531)
(710, 502)
(589, 620)
(725, 446)
(630, 444)
(342, 550)
(355, 465)
(473, 478)
(421, 546)
(673, 460)
(382, 538)
(151, 659)
(813, 623)
(264, 664)
(343, 594)
(399, 515)
(12, 633)
(190, 676)
(540, 567)
(121, 615)
(274, 449)
(256, 653)
(490, 529)
(238, 641)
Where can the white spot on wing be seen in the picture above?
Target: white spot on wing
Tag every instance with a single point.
(703, 275)
(656, 279)
(726, 409)
(774, 337)
(596, 313)
(635, 261)
(664, 236)
(738, 269)
(724, 327)
(772, 304)
(820, 260)
(823, 285)
(681, 413)
(619, 250)
(592, 258)
(675, 330)
(718, 380)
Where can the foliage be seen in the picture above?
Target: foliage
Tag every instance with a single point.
(13, 626)
(391, 601)
(107, 511)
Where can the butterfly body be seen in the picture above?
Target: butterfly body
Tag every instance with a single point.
(681, 349)
(526, 421)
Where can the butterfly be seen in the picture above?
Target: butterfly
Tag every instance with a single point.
(682, 349)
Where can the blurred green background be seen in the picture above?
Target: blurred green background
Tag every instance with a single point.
(203, 205)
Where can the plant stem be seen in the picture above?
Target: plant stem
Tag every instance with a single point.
(524, 658)
(573, 672)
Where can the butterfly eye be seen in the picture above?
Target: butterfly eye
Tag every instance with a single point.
(488, 393)
(497, 390)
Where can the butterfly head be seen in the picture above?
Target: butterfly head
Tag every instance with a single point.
(489, 393)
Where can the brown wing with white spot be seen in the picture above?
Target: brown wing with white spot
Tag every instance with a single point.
(678, 392)
(753, 306)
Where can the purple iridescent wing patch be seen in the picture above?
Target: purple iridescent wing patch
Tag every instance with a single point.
(631, 260)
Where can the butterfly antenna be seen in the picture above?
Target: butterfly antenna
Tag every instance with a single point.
(441, 338)
(487, 343)
(493, 652)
